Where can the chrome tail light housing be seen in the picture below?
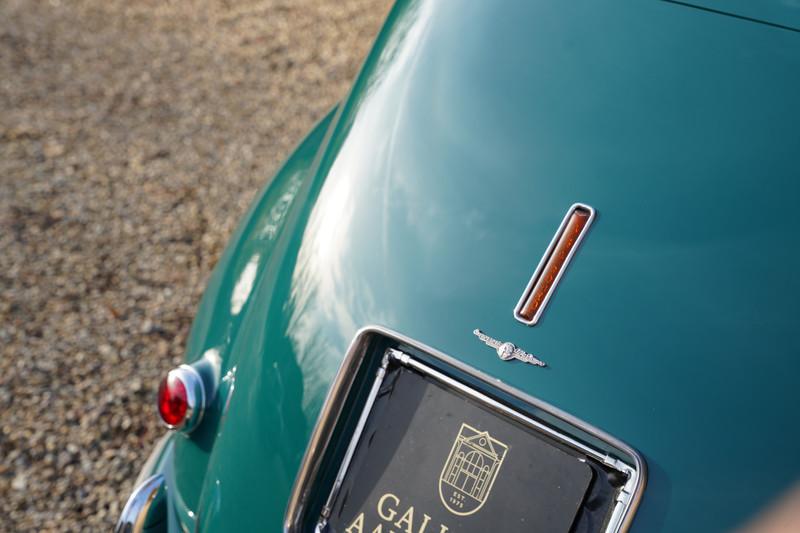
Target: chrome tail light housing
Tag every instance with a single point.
(182, 399)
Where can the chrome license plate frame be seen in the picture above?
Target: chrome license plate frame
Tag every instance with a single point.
(373, 350)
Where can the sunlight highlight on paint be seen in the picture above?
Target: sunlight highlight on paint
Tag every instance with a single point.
(244, 285)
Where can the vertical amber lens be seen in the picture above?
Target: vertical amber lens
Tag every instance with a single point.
(555, 263)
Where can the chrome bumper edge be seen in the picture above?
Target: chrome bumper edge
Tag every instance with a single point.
(135, 514)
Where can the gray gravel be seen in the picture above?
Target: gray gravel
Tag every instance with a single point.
(132, 137)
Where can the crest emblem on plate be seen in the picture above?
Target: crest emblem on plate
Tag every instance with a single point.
(470, 470)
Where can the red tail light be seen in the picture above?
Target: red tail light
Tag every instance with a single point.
(181, 398)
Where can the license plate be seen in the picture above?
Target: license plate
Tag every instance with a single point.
(422, 446)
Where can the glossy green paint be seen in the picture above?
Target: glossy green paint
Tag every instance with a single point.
(424, 202)
(781, 13)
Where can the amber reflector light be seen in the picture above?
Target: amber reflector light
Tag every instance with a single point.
(553, 263)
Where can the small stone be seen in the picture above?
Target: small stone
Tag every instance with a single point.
(53, 149)
(105, 350)
(20, 482)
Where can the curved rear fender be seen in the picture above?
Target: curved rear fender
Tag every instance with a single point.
(225, 301)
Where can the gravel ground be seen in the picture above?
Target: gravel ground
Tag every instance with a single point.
(132, 137)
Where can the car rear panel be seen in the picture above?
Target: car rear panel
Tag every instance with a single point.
(441, 181)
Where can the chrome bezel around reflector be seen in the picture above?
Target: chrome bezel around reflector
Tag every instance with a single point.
(545, 261)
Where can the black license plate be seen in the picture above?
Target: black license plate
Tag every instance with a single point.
(433, 460)
(413, 441)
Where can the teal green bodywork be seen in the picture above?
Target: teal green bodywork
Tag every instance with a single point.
(424, 201)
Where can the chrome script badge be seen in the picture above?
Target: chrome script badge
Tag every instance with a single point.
(507, 350)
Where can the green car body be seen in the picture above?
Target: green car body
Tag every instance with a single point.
(424, 201)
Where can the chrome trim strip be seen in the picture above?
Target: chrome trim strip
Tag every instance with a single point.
(543, 261)
(134, 513)
(627, 501)
(323, 431)
(351, 448)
